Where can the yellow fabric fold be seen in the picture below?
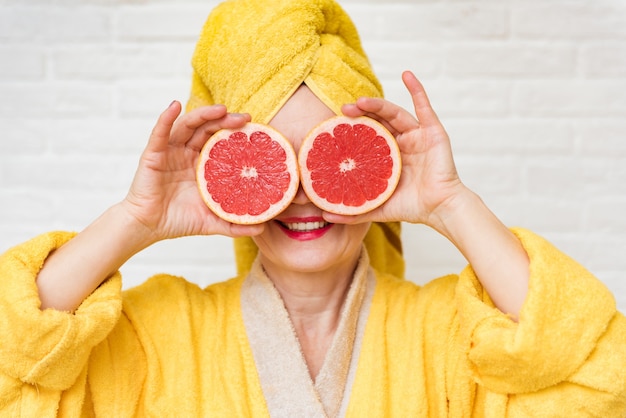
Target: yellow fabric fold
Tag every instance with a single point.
(531, 355)
(32, 351)
(436, 350)
(253, 54)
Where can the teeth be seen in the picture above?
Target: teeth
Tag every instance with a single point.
(305, 226)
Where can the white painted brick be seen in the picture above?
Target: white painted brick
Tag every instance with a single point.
(20, 63)
(498, 60)
(168, 22)
(348, 4)
(396, 92)
(605, 252)
(580, 179)
(544, 214)
(603, 59)
(22, 136)
(470, 98)
(67, 175)
(125, 61)
(570, 98)
(80, 206)
(99, 137)
(602, 19)
(428, 21)
(203, 260)
(17, 233)
(607, 216)
(135, 273)
(530, 92)
(26, 207)
(47, 100)
(73, 24)
(150, 99)
(81, 101)
(508, 206)
(197, 249)
(602, 137)
(425, 60)
(486, 175)
(21, 23)
(456, 98)
(428, 254)
(55, 24)
(496, 137)
(551, 215)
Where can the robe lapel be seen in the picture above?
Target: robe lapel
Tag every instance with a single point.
(287, 386)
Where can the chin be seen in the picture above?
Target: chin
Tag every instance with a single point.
(313, 260)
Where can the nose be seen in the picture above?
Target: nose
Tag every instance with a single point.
(301, 198)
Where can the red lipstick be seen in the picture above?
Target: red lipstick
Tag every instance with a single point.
(304, 228)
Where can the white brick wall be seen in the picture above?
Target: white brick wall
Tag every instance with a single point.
(532, 93)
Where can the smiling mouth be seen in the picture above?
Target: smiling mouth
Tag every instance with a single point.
(304, 226)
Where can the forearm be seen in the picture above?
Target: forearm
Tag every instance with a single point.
(75, 270)
(494, 252)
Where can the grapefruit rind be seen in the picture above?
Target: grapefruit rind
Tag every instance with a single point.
(327, 129)
(291, 167)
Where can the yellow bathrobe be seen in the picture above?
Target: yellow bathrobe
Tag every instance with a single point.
(169, 348)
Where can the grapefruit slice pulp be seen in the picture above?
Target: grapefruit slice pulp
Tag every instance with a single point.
(349, 165)
(247, 175)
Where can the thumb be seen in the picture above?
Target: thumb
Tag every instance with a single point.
(336, 218)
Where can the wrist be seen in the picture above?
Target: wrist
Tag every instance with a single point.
(139, 235)
(452, 213)
(74, 270)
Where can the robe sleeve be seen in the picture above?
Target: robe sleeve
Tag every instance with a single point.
(567, 353)
(43, 353)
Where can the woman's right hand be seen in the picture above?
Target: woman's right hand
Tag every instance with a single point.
(163, 202)
(164, 196)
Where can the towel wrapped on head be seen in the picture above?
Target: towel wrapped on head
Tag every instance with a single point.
(252, 55)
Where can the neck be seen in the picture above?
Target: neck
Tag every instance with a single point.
(314, 302)
(313, 294)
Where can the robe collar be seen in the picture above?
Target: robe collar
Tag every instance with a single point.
(283, 374)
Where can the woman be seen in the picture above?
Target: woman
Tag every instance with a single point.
(317, 324)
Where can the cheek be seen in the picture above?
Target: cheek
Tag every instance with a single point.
(358, 231)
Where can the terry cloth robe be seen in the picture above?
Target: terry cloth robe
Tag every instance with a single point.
(170, 349)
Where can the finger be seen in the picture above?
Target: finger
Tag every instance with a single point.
(246, 230)
(204, 132)
(423, 109)
(395, 116)
(353, 111)
(161, 132)
(187, 124)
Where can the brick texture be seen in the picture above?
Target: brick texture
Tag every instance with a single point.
(532, 93)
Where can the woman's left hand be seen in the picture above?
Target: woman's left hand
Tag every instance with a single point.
(430, 192)
(429, 180)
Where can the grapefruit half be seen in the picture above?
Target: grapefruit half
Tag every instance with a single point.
(247, 175)
(349, 165)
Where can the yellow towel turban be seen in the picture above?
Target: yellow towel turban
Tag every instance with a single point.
(253, 54)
